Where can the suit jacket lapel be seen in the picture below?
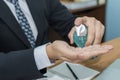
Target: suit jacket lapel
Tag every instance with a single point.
(9, 18)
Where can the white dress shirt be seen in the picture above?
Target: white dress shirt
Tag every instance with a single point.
(40, 54)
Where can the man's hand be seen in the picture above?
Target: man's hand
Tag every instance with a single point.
(95, 30)
(61, 50)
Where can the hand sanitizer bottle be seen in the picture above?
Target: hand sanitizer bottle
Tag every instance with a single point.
(80, 35)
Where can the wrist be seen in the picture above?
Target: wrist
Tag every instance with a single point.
(50, 52)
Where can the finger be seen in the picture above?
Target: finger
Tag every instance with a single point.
(101, 50)
(70, 35)
(94, 51)
(78, 21)
(102, 31)
(90, 23)
(109, 47)
(99, 32)
(98, 52)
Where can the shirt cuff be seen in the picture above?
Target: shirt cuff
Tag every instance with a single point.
(41, 57)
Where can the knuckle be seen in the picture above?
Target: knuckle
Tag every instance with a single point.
(93, 18)
(77, 19)
(98, 22)
(103, 27)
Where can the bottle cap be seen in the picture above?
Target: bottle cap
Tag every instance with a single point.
(81, 30)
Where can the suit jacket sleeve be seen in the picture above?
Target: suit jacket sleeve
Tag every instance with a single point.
(61, 19)
(18, 65)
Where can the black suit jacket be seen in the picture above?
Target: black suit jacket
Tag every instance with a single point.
(16, 55)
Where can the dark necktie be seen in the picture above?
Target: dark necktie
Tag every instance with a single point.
(23, 22)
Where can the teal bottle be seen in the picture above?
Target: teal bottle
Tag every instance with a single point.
(80, 40)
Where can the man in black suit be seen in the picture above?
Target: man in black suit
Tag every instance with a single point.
(21, 61)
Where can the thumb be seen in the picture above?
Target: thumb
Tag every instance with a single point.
(70, 35)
